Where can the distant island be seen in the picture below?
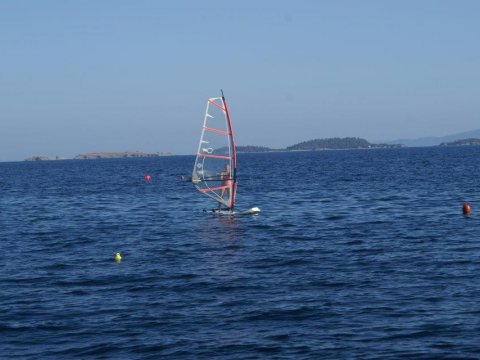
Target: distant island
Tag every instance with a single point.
(122, 154)
(324, 144)
(105, 155)
(37, 158)
(462, 142)
(340, 144)
(40, 158)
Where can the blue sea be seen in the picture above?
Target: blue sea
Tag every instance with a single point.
(356, 254)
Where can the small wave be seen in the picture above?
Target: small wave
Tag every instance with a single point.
(297, 314)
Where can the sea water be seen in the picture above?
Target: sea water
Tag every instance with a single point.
(356, 254)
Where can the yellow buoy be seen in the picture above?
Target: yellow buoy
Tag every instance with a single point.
(118, 257)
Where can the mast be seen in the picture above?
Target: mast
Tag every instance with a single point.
(234, 154)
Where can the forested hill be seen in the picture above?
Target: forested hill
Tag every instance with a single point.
(339, 143)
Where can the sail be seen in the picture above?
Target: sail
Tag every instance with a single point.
(214, 172)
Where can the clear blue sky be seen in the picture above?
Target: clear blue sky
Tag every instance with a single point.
(80, 76)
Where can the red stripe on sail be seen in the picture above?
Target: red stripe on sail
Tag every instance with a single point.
(215, 156)
(217, 131)
(215, 104)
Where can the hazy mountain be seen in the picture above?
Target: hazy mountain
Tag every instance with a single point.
(436, 140)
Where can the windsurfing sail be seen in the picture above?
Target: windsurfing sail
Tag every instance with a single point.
(215, 170)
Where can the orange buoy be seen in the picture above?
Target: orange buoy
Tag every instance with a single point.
(147, 177)
(467, 209)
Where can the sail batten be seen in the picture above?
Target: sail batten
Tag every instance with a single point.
(218, 131)
(214, 172)
(214, 156)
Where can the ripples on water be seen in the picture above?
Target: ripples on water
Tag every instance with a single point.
(355, 254)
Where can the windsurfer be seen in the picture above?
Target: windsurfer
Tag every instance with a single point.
(226, 177)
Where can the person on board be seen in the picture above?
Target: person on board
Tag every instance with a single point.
(226, 177)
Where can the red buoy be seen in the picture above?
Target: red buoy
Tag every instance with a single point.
(467, 209)
(147, 177)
